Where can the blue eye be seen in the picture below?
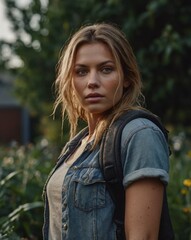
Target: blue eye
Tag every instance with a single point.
(107, 70)
(81, 71)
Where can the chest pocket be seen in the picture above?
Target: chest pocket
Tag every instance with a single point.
(89, 190)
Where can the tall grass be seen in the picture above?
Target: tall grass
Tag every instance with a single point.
(24, 169)
(179, 193)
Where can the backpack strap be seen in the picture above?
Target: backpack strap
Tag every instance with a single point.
(111, 166)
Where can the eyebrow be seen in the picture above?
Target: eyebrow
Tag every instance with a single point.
(99, 65)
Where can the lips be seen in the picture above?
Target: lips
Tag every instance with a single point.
(94, 95)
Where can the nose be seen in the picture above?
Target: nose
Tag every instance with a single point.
(93, 80)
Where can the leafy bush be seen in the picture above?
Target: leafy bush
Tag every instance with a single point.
(23, 172)
(179, 190)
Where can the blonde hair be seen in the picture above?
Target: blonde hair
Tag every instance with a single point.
(125, 63)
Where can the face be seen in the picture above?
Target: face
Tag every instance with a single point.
(96, 79)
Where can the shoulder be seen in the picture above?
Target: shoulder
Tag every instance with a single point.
(75, 140)
(144, 151)
(143, 135)
(141, 126)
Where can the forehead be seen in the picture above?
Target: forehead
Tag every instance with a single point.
(93, 51)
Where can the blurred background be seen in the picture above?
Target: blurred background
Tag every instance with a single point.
(32, 34)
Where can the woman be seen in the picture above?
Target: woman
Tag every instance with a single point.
(98, 80)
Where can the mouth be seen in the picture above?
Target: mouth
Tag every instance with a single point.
(94, 97)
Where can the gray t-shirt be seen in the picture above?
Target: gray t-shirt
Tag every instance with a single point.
(54, 193)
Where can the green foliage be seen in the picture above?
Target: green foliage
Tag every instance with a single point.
(34, 78)
(163, 56)
(158, 30)
(179, 190)
(23, 173)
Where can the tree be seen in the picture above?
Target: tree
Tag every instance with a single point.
(158, 30)
(163, 51)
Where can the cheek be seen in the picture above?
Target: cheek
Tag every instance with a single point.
(116, 89)
(118, 95)
(76, 86)
(116, 92)
(78, 90)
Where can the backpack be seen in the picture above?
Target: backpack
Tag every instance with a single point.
(111, 167)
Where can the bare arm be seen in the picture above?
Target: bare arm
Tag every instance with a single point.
(143, 207)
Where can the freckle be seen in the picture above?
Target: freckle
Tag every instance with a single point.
(148, 208)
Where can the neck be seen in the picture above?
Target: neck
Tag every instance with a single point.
(92, 123)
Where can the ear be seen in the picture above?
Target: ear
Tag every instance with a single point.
(126, 83)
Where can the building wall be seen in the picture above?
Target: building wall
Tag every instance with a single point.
(10, 124)
(14, 118)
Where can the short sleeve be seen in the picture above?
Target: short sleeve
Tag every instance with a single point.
(144, 154)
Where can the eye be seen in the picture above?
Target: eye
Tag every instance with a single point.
(81, 72)
(107, 69)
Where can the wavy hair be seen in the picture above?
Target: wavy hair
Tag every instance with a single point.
(126, 65)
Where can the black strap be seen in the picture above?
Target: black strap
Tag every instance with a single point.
(110, 163)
